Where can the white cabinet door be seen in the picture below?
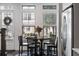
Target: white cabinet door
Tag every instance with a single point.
(10, 45)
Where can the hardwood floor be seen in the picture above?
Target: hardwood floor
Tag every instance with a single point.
(16, 53)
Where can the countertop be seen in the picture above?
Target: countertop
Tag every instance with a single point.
(76, 50)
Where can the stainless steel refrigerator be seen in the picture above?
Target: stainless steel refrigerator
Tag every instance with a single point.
(66, 31)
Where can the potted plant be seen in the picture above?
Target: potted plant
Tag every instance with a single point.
(38, 30)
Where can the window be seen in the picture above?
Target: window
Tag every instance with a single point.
(6, 7)
(49, 7)
(29, 18)
(49, 19)
(7, 10)
(49, 30)
(25, 7)
(9, 14)
(28, 30)
(10, 28)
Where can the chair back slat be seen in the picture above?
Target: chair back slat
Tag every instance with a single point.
(56, 42)
(53, 39)
(30, 40)
(20, 40)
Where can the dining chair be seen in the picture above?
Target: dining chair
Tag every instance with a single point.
(33, 45)
(21, 44)
(51, 44)
(49, 48)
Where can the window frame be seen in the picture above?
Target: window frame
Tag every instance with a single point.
(47, 12)
(28, 7)
(53, 30)
(27, 26)
(28, 23)
(47, 7)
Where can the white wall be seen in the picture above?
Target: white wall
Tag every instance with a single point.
(17, 25)
(65, 5)
(0, 34)
(59, 11)
(18, 19)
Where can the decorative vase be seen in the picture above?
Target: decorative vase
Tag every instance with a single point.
(38, 30)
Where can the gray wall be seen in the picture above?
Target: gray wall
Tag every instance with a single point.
(76, 25)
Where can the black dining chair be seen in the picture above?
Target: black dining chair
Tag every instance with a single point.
(21, 44)
(33, 46)
(50, 46)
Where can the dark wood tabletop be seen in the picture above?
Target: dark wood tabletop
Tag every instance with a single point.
(41, 43)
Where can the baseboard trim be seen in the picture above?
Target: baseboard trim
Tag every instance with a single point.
(9, 50)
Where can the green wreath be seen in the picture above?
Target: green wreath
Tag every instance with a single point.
(7, 21)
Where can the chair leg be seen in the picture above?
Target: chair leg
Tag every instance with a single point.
(48, 51)
(19, 50)
(27, 50)
(54, 50)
